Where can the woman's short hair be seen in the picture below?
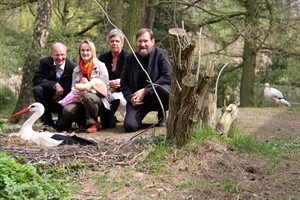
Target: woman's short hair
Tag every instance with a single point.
(116, 32)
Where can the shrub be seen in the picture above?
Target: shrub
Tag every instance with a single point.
(19, 181)
(7, 101)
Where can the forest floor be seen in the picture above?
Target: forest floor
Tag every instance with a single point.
(116, 168)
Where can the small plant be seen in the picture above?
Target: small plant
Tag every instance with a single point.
(19, 181)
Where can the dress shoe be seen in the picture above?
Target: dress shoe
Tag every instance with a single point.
(93, 128)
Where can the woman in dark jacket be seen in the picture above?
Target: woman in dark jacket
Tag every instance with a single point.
(114, 61)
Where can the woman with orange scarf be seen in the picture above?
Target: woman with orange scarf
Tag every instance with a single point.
(95, 102)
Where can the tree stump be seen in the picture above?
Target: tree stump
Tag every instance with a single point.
(229, 115)
(188, 90)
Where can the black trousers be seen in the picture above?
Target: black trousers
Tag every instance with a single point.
(136, 114)
(51, 106)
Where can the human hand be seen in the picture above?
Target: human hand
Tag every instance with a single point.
(138, 97)
(58, 89)
(114, 84)
(84, 80)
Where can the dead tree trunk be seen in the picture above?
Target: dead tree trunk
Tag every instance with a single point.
(188, 89)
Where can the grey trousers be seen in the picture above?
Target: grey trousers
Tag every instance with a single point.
(87, 112)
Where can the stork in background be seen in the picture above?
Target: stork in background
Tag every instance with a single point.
(47, 139)
(272, 94)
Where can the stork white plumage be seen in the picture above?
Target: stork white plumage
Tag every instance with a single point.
(45, 138)
(272, 94)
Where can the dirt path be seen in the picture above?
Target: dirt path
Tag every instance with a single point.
(270, 123)
(274, 123)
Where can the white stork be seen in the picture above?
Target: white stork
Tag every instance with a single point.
(275, 95)
(45, 138)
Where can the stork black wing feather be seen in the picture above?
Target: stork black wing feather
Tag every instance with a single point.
(70, 140)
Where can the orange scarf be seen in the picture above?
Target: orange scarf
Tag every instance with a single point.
(86, 68)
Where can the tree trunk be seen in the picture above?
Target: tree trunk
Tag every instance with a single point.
(249, 55)
(115, 12)
(133, 20)
(188, 93)
(40, 34)
(149, 13)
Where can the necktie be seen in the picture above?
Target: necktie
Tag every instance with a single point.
(59, 72)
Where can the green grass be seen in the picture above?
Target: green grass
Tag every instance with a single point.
(237, 140)
(248, 144)
(107, 185)
(228, 186)
(294, 108)
(195, 185)
(154, 162)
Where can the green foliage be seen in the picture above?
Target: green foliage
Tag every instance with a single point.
(279, 62)
(7, 101)
(3, 126)
(19, 181)
(228, 86)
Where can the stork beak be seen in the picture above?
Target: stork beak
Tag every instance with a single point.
(26, 110)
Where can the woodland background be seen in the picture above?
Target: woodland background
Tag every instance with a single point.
(258, 38)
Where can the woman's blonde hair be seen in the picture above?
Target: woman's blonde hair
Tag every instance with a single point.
(92, 48)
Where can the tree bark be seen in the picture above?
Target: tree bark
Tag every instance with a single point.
(149, 13)
(133, 20)
(188, 91)
(249, 55)
(115, 12)
(39, 36)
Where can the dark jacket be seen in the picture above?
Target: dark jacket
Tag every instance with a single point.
(158, 69)
(107, 59)
(46, 75)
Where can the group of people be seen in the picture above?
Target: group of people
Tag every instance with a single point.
(98, 87)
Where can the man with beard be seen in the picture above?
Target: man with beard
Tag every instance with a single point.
(135, 84)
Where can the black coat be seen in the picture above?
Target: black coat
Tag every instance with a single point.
(46, 75)
(107, 59)
(158, 69)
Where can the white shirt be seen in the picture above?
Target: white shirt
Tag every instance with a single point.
(60, 69)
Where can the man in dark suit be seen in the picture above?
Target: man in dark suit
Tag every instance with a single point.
(52, 82)
(138, 92)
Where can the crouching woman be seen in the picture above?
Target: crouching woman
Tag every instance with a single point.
(95, 102)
